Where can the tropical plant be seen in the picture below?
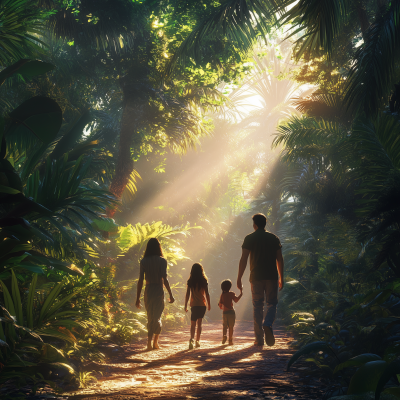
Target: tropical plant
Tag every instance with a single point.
(350, 336)
(21, 23)
(25, 357)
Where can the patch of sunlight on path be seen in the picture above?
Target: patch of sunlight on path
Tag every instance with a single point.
(240, 371)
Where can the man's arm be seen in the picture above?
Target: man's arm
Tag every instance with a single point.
(139, 291)
(279, 263)
(242, 267)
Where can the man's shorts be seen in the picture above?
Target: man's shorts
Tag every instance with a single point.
(229, 318)
(198, 312)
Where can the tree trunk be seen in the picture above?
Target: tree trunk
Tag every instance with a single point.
(362, 16)
(135, 89)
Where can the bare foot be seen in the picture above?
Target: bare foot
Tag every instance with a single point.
(149, 347)
(156, 346)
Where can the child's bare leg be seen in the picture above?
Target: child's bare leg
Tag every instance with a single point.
(224, 329)
(199, 321)
(230, 334)
(192, 329)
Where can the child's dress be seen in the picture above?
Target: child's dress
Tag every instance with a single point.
(198, 303)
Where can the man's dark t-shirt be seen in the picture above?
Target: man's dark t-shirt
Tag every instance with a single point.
(263, 246)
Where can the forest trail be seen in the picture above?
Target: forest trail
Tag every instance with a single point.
(214, 370)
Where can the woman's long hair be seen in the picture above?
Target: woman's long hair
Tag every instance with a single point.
(198, 278)
(153, 248)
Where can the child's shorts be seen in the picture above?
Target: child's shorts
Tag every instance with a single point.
(229, 318)
(198, 312)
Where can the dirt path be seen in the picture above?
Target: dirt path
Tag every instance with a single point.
(240, 371)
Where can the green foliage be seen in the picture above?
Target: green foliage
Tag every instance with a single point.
(308, 348)
(21, 23)
(24, 355)
(136, 236)
(357, 361)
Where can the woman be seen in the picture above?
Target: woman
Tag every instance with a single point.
(153, 268)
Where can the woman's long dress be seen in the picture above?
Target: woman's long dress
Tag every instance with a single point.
(153, 270)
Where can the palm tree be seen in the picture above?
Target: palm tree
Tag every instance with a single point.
(21, 25)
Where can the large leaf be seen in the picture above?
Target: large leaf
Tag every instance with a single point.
(106, 224)
(367, 377)
(357, 361)
(307, 349)
(27, 68)
(391, 369)
(50, 354)
(40, 115)
(8, 190)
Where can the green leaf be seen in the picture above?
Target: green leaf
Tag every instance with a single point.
(106, 224)
(32, 268)
(67, 336)
(8, 190)
(27, 68)
(309, 348)
(50, 354)
(40, 115)
(367, 377)
(357, 361)
(50, 299)
(7, 299)
(391, 369)
(17, 299)
(29, 303)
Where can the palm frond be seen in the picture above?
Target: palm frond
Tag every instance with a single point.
(130, 188)
(20, 23)
(371, 77)
(321, 20)
(328, 106)
(114, 28)
(238, 20)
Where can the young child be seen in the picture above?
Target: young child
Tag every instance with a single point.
(226, 305)
(197, 290)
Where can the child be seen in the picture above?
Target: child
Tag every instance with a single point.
(197, 289)
(226, 305)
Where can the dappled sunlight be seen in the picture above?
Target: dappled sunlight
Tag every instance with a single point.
(211, 366)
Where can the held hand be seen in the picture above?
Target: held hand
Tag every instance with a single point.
(209, 308)
(239, 284)
(138, 304)
(241, 290)
(280, 284)
(185, 309)
(171, 299)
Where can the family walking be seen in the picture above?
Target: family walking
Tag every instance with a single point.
(266, 276)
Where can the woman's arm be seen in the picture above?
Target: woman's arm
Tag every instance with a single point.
(139, 291)
(187, 297)
(166, 284)
(208, 299)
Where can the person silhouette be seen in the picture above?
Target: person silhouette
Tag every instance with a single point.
(266, 274)
(153, 269)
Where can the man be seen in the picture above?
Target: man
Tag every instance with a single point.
(266, 274)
